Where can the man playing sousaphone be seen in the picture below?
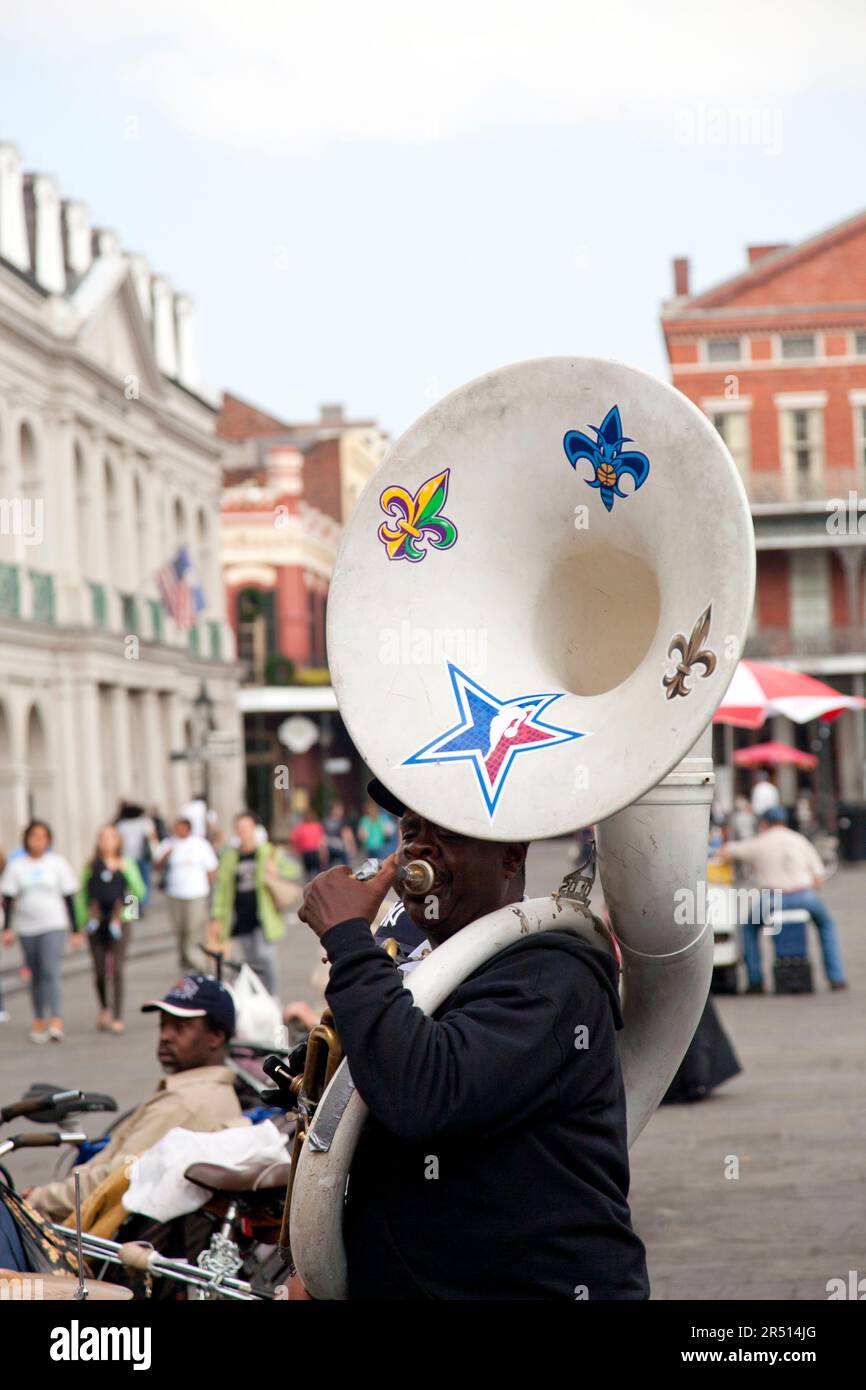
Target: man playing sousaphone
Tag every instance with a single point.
(494, 1162)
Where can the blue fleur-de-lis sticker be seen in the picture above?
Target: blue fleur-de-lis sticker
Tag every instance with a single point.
(606, 455)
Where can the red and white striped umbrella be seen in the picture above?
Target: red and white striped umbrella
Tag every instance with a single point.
(760, 689)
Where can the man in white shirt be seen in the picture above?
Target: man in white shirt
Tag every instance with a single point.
(764, 794)
(781, 859)
(191, 867)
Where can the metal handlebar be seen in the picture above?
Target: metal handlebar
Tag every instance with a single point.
(33, 1140)
(111, 1253)
(32, 1105)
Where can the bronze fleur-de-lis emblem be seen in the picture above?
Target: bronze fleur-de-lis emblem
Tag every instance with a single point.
(692, 652)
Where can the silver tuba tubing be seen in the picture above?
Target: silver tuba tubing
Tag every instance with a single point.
(652, 859)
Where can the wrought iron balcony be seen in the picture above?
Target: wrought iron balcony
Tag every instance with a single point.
(832, 483)
(781, 643)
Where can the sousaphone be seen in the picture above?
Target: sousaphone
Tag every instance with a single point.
(538, 603)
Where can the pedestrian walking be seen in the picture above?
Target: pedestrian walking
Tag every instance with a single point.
(191, 866)
(245, 914)
(4, 1015)
(376, 832)
(742, 823)
(138, 838)
(38, 888)
(764, 794)
(339, 839)
(107, 903)
(308, 840)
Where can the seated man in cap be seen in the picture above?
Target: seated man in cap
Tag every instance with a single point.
(783, 861)
(494, 1162)
(196, 1021)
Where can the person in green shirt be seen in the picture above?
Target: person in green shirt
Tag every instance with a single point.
(244, 910)
(376, 832)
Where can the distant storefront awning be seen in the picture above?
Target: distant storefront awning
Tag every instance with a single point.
(286, 699)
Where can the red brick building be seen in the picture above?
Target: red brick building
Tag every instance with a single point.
(776, 357)
(288, 489)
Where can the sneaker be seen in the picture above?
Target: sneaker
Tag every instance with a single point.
(755, 989)
(4, 1015)
(39, 1031)
(55, 1031)
(834, 984)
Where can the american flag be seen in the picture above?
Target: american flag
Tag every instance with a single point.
(180, 590)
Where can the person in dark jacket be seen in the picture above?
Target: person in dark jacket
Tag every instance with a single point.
(494, 1162)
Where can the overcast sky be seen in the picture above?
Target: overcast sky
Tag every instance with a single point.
(372, 202)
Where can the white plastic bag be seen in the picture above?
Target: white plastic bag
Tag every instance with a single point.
(258, 1018)
(158, 1187)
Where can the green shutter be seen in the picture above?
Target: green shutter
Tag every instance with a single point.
(43, 596)
(97, 595)
(10, 592)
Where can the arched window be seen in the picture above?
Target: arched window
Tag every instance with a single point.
(7, 492)
(28, 455)
(204, 557)
(140, 565)
(113, 525)
(41, 781)
(181, 530)
(30, 500)
(9, 830)
(82, 513)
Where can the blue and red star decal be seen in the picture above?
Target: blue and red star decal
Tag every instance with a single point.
(492, 732)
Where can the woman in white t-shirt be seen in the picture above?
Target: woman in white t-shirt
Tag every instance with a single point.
(191, 865)
(38, 890)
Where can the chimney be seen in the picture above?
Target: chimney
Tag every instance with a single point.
(79, 252)
(681, 276)
(284, 468)
(164, 341)
(105, 242)
(331, 414)
(187, 359)
(42, 209)
(140, 272)
(757, 253)
(13, 227)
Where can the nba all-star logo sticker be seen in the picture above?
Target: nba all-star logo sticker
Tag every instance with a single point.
(491, 732)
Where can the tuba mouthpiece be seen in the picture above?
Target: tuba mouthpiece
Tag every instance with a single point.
(417, 877)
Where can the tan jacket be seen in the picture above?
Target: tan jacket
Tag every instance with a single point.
(778, 858)
(202, 1098)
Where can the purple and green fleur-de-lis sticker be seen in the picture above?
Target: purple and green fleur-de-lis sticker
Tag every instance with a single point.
(606, 455)
(416, 522)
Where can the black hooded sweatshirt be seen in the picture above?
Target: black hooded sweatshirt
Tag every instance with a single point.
(494, 1162)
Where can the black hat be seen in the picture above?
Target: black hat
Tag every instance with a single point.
(197, 996)
(378, 792)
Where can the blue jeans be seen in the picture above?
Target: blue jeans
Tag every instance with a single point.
(43, 955)
(145, 867)
(808, 900)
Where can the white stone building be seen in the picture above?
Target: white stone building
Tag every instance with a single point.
(109, 462)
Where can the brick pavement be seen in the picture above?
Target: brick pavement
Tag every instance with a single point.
(795, 1119)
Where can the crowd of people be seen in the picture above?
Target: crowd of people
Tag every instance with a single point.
(225, 894)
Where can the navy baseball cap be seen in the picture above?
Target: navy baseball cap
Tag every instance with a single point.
(197, 996)
(774, 815)
(378, 792)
